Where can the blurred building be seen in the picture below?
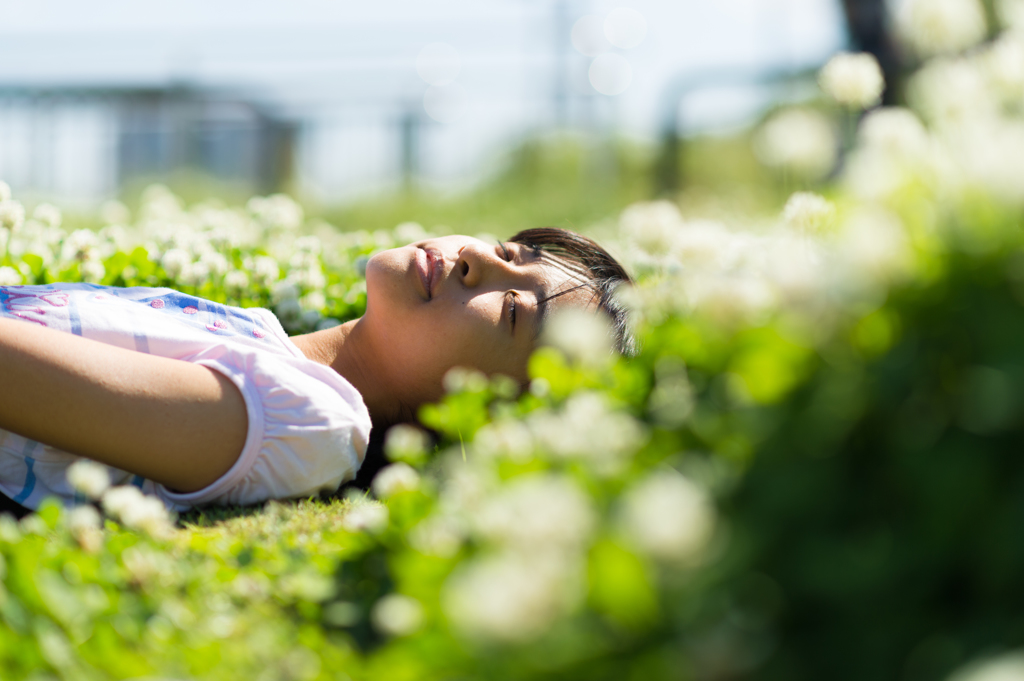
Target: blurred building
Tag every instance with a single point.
(334, 100)
(80, 143)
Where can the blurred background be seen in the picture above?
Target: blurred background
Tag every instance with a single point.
(474, 115)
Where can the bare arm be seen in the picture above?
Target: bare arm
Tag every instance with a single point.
(176, 423)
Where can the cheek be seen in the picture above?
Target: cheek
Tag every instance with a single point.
(463, 333)
(457, 328)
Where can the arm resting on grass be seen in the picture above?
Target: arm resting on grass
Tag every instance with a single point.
(179, 424)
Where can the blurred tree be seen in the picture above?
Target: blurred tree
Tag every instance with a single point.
(884, 510)
(868, 24)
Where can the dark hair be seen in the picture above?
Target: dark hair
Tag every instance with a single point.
(601, 274)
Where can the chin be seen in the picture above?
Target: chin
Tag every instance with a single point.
(387, 267)
(388, 287)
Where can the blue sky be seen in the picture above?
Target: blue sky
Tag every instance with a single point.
(343, 67)
(318, 53)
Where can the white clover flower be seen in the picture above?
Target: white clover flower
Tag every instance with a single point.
(116, 499)
(47, 214)
(314, 300)
(668, 517)
(302, 260)
(159, 204)
(149, 515)
(939, 26)
(394, 479)
(309, 245)
(894, 130)
(196, 274)
(808, 212)
(653, 226)
(404, 442)
(10, 276)
(365, 516)
(467, 486)
(33, 524)
(510, 597)
(236, 282)
(145, 565)
(410, 232)
(461, 379)
(873, 174)
(949, 91)
(795, 264)
(114, 212)
(509, 437)
(278, 211)
(88, 477)
(707, 245)
(80, 245)
(440, 536)
(175, 261)
(5, 191)
(265, 270)
(382, 239)
(1004, 62)
(84, 525)
(83, 517)
(397, 615)
(582, 335)
(138, 511)
(12, 214)
(1011, 13)
(853, 80)
(310, 277)
(215, 262)
(799, 140)
(538, 512)
(588, 430)
(1005, 667)
(38, 247)
(112, 238)
(990, 154)
(875, 243)
(733, 299)
(92, 271)
(308, 586)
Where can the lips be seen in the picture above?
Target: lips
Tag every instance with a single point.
(430, 264)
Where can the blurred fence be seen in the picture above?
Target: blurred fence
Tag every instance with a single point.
(84, 142)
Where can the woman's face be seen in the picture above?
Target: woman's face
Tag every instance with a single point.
(460, 301)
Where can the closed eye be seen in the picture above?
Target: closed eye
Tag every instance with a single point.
(507, 254)
(511, 295)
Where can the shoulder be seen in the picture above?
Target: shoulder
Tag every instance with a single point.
(293, 397)
(308, 428)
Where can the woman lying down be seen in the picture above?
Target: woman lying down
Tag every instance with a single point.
(196, 403)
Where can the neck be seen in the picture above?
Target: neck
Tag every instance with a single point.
(346, 349)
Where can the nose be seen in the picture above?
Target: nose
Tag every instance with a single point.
(476, 265)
